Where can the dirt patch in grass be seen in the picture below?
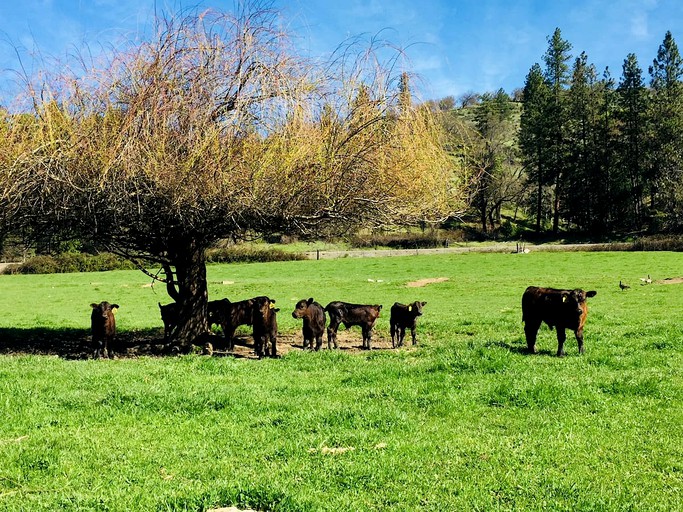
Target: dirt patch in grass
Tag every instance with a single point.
(350, 341)
(671, 280)
(426, 281)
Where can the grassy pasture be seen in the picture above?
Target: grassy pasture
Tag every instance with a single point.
(464, 421)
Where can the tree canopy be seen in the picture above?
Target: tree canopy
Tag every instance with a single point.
(216, 128)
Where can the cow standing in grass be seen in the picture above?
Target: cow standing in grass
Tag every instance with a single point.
(351, 314)
(103, 326)
(404, 316)
(230, 315)
(313, 316)
(560, 309)
(265, 326)
(169, 316)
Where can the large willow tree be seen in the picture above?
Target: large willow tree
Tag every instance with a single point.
(214, 128)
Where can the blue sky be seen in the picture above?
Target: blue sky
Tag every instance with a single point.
(456, 46)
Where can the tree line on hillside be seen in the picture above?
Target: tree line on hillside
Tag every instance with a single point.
(575, 149)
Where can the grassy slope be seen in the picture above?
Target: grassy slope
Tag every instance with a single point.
(465, 421)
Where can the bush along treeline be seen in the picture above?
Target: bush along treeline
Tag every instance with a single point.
(577, 149)
(70, 262)
(82, 262)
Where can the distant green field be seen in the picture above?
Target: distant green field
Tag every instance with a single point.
(464, 421)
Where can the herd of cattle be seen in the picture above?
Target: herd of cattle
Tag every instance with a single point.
(559, 309)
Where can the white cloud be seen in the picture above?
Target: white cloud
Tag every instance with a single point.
(639, 27)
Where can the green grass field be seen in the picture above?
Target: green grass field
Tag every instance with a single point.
(464, 421)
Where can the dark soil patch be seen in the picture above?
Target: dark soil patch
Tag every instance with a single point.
(671, 280)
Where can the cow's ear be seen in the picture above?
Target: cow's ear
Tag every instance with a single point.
(309, 301)
(276, 309)
(591, 293)
(380, 307)
(93, 305)
(115, 306)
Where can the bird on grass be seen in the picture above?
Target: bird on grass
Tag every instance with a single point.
(623, 286)
(646, 280)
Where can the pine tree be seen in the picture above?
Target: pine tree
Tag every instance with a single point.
(666, 186)
(533, 136)
(581, 162)
(632, 116)
(557, 75)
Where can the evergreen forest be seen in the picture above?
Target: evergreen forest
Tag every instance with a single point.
(577, 149)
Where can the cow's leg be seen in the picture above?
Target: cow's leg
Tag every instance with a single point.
(332, 334)
(414, 334)
(308, 338)
(394, 334)
(229, 333)
(579, 338)
(318, 343)
(561, 337)
(530, 331)
(367, 333)
(258, 346)
(403, 335)
(273, 346)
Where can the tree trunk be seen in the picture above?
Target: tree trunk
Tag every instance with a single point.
(482, 216)
(556, 205)
(539, 196)
(189, 259)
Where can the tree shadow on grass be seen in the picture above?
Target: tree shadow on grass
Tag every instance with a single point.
(71, 343)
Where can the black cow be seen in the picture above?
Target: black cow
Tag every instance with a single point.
(169, 316)
(351, 314)
(402, 317)
(313, 316)
(265, 326)
(230, 315)
(562, 309)
(103, 326)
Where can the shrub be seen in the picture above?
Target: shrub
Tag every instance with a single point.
(246, 254)
(671, 243)
(399, 241)
(70, 262)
